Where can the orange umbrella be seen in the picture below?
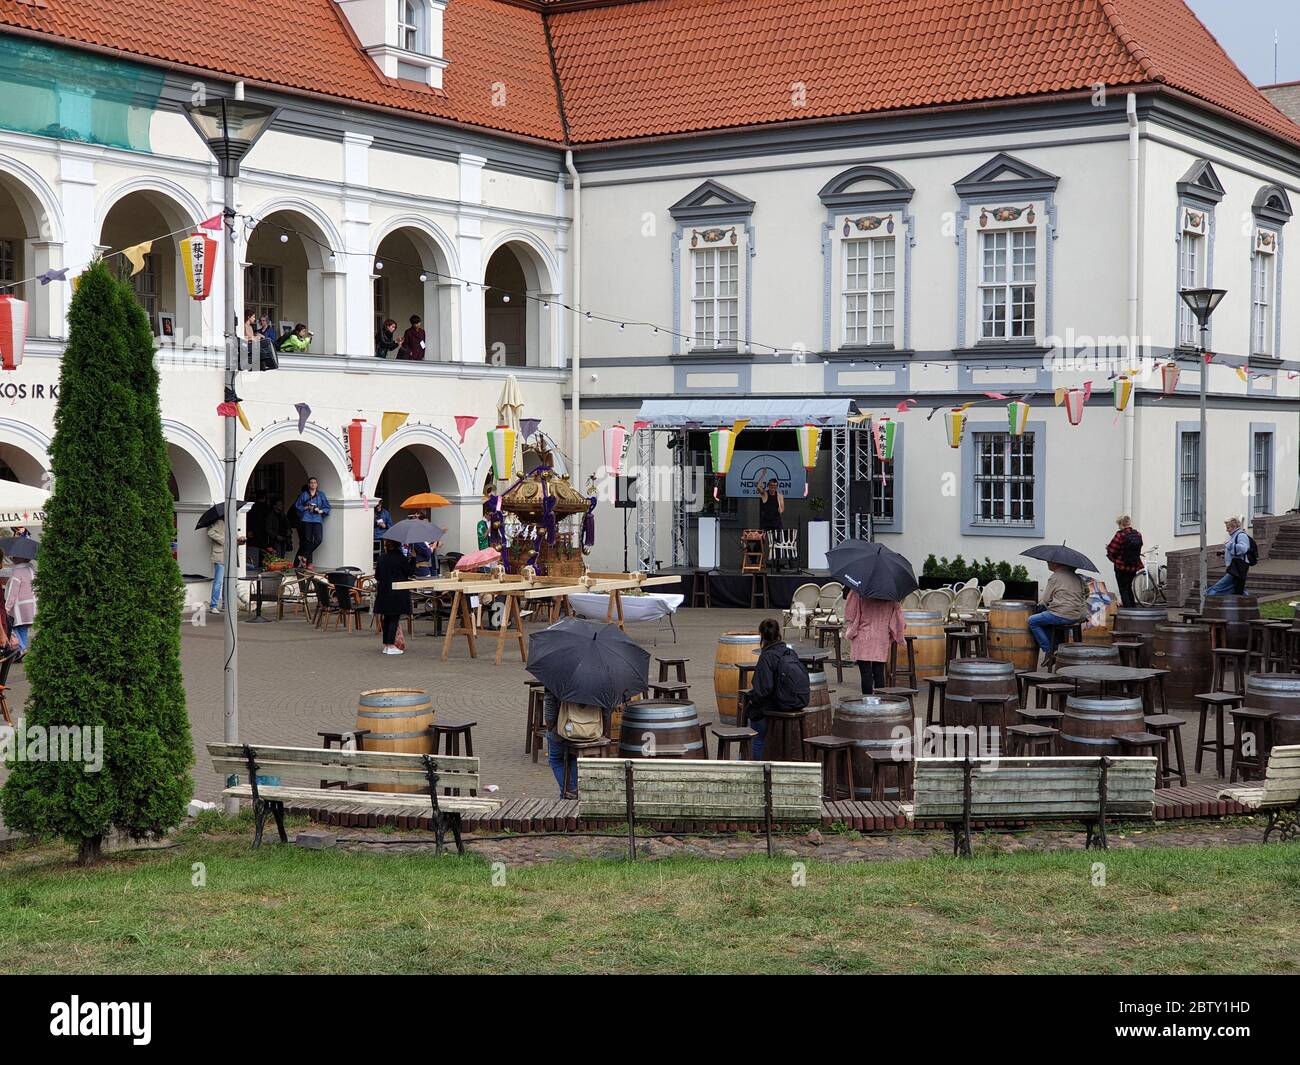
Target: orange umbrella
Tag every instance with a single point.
(425, 499)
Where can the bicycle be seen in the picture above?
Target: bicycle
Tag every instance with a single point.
(1149, 585)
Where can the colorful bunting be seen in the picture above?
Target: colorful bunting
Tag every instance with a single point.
(1060, 396)
(304, 412)
(587, 426)
(199, 261)
(135, 255)
(239, 408)
(213, 223)
(53, 275)
(227, 410)
(13, 331)
(905, 405)
(528, 426)
(1242, 373)
(954, 422)
(391, 422)
(995, 395)
(1017, 416)
(464, 422)
(638, 425)
(501, 447)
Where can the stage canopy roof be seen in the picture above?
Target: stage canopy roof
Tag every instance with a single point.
(713, 413)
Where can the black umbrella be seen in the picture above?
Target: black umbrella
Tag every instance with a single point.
(415, 531)
(585, 662)
(1062, 556)
(215, 513)
(872, 570)
(19, 547)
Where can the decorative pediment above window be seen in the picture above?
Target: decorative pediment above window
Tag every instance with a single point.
(1201, 184)
(712, 202)
(865, 187)
(403, 37)
(1004, 175)
(1272, 206)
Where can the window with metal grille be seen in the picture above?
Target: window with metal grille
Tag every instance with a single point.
(882, 493)
(145, 283)
(1008, 284)
(1190, 274)
(1261, 288)
(8, 261)
(1189, 478)
(1004, 479)
(715, 302)
(1262, 470)
(262, 292)
(869, 288)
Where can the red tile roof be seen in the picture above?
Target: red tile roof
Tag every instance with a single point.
(665, 67)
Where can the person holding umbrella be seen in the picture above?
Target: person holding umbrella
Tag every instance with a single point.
(392, 603)
(875, 580)
(1065, 600)
(217, 552)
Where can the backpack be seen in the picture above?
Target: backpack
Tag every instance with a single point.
(1130, 551)
(1252, 550)
(791, 690)
(579, 722)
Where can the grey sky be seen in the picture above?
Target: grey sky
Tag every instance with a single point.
(1245, 30)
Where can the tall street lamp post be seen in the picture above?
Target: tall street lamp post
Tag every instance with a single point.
(230, 128)
(1202, 302)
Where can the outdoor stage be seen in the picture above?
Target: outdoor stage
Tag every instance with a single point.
(735, 589)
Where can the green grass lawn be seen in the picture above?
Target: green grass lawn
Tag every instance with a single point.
(1279, 608)
(288, 910)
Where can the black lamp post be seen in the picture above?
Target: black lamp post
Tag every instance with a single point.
(1202, 302)
(230, 128)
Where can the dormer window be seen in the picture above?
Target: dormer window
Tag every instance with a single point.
(404, 37)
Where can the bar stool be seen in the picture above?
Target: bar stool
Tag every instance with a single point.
(1234, 658)
(1216, 703)
(348, 739)
(1057, 692)
(1140, 743)
(939, 685)
(881, 763)
(601, 747)
(758, 591)
(1218, 631)
(1257, 723)
(733, 735)
(1291, 640)
(958, 644)
(448, 735)
(674, 691)
(1265, 644)
(536, 701)
(910, 671)
(1130, 651)
(705, 724)
(1153, 688)
(785, 732)
(1169, 726)
(834, 754)
(700, 588)
(679, 664)
(990, 712)
(832, 630)
(1051, 718)
(905, 693)
(1190, 617)
(1028, 740)
(1028, 680)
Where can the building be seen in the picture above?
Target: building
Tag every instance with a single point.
(745, 205)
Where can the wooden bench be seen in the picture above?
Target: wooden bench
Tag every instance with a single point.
(1280, 795)
(296, 769)
(960, 791)
(649, 789)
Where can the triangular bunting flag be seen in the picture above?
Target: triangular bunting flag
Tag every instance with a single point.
(135, 255)
(391, 422)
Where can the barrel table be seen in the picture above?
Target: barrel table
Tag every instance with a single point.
(928, 646)
(1009, 637)
(1142, 621)
(818, 715)
(1184, 650)
(1085, 654)
(875, 724)
(1090, 722)
(734, 648)
(1238, 611)
(660, 728)
(400, 721)
(975, 680)
(1279, 692)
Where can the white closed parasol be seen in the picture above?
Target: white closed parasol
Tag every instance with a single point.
(22, 504)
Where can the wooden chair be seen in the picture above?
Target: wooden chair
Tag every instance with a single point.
(295, 591)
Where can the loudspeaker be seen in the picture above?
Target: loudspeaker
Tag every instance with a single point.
(625, 492)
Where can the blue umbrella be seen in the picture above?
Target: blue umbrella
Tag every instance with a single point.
(585, 662)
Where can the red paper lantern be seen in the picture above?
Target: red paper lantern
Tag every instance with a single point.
(13, 331)
(361, 446)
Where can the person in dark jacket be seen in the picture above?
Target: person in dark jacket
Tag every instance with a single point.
(390, 603)
(762, 689)
(386, 340)
(1125, 551)
(413, 341)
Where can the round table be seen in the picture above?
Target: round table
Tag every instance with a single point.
(1102, 675)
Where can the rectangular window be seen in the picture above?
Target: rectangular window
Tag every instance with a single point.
(1189, 478)
(381, 303)
(869, 291)
(1004, 479)
(882, 493)
(408, 28)
(1261, 290)
(8, 261)
(1262, 471)
(1191, 256)
(145, 283)
(715, 302)
(262, 292)
(1008, 284)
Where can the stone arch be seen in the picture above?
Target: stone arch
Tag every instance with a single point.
(26, 451)
(321, 453)
(419, 276)
(427, 437)
(30, 217)
(519, 328)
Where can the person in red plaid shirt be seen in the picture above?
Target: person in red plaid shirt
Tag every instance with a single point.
(1125, 551)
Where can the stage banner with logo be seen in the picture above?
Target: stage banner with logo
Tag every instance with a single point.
(748, 467)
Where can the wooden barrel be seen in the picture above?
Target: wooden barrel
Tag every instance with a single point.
(1238, 611)
(734, 648)
(928, 647)
(1090, 722)
(1085, 654)
(980, 678)
(1142, 620)
(873, 723)
(399, 720)
(1280, 692)
(1184, 650)
(660, 728)
(1009, 637)
(818, 717)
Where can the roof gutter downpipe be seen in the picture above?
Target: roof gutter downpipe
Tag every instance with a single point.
(1134, 224)
(575, 343)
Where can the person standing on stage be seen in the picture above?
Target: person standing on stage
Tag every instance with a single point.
(771, 505)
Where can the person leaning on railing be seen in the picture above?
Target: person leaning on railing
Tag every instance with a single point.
(296, 341)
